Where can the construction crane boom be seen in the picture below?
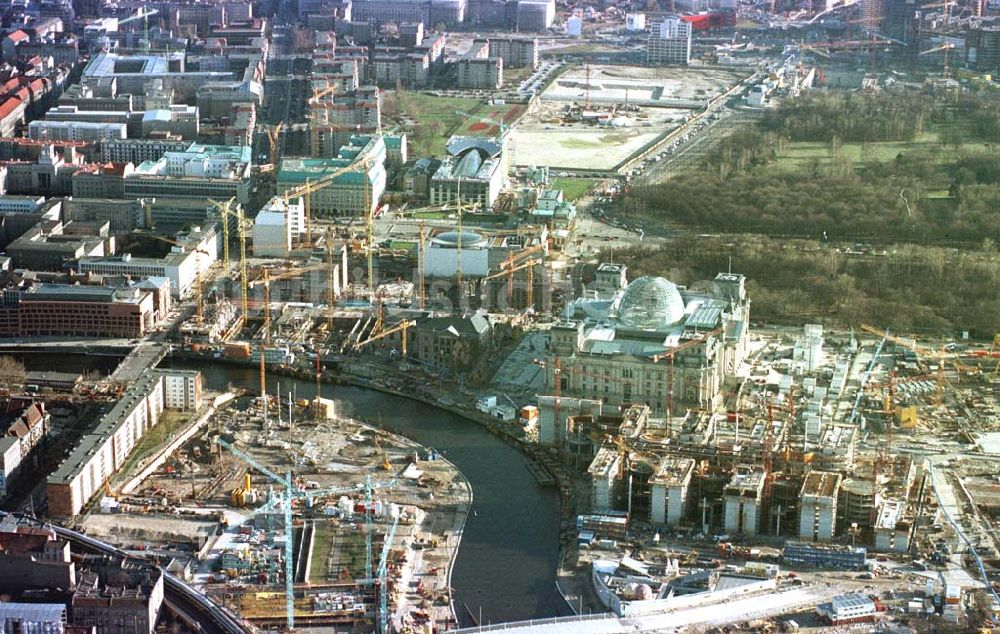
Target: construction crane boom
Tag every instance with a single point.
(669, 355)
(402, 326)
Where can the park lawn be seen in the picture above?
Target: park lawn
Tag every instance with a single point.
(573, 188)
(434, 113)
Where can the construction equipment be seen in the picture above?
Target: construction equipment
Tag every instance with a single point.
(224, 210)
(243, 495)
(401, 327)
(944, 47)
(382, 573)
(669, 355)
(242, 224)
(273, 136)
(512, 260)
(509, 273)
(421, 294)
(941, 356)
(361, 164)
(266, 338)
(291, 492)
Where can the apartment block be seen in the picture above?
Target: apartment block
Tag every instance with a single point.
(669, 42)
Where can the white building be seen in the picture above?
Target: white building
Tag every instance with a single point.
(20, 204)
(276, 226)
(182, 390)
(848, 608)
(181, 266)
(669, 42)
(604, 471)
(451, 251)
(892, 534)
(808, 351)
(75, 131)
(635, 22)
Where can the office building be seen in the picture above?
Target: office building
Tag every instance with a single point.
(535, 15)
(181, 265)
(515, 52)
(68, 310)
(669, 486)
(356, 191)
(982, 48)
(277, 226)
(51, 244)
(669, 42)
(137, 151)
(75, 131)
(218, 172)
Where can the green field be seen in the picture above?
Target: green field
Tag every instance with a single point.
(573, 188)
(429, 120)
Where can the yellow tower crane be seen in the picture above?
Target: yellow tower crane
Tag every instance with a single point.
(242, 224)
(402, 327)
(509, 272)
(312, 186)
(266, 340)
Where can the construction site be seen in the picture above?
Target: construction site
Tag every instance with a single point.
(293, 516)
(824, 453)
(618, 110)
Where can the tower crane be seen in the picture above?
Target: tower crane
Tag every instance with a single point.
(512, 260)
(941, 356)
(199, 304)
(291, 492)
(669, 355)
(361, 164)
(509, 272)
(947, 46)
(243, 224)
(401, 327)
(273, 136)
(266, 341)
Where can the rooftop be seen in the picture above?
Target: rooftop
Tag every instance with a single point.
(672, 471)
(821, 484)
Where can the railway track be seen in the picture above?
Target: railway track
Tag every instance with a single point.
(198, 611)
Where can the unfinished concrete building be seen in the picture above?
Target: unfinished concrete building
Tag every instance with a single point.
(669, 487)
(604, 472)
(892, 530)
(818, 506)
(742, 497)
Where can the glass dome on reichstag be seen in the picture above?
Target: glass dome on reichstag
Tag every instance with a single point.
(650, 303)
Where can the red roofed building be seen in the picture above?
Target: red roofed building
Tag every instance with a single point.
(26, 424)
(11, 115)
(9, 45)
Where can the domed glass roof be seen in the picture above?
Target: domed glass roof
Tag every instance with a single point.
(451, 239)
(650, 303)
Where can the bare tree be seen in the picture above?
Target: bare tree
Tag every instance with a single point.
(11, 372)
